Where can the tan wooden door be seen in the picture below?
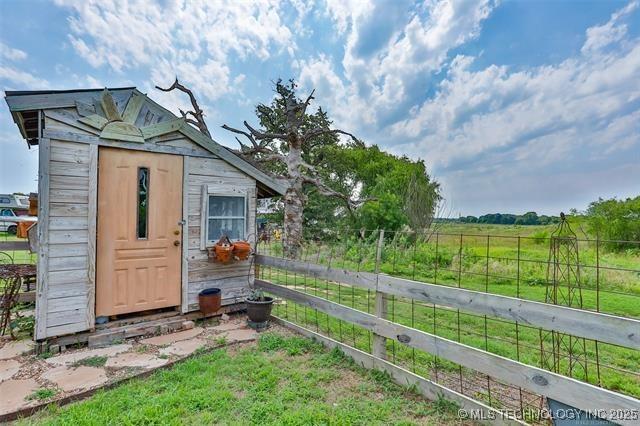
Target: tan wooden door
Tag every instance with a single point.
(138, 241)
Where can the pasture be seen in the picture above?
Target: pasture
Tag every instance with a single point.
(506, 260)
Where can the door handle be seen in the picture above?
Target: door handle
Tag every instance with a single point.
(176, 243)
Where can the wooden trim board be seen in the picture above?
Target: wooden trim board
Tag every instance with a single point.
(42, 281)
(565, 389)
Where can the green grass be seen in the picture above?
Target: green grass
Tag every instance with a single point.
(92, 361)
(19, 256)
(42, 394)
(494, 269)
(282, 381)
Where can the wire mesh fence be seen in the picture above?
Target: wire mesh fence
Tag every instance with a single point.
(601, 276)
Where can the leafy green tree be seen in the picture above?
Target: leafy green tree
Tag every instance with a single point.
(617, 220)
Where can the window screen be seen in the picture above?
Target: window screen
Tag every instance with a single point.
(226, 216)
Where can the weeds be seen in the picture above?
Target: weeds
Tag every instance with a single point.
(92, 361)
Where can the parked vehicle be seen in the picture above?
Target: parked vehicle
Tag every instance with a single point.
(9, 220)
(17, 202)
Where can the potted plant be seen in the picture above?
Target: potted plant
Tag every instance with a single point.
(259, 306)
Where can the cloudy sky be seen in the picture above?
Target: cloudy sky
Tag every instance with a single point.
(514, 105)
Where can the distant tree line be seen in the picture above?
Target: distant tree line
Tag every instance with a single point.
(529, 218)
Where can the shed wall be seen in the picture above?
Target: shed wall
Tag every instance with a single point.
(68, 184)
(234, 278)
(67, 302)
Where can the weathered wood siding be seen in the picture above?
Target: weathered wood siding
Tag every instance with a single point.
(234, 278)
(68, 184)
(66, 297)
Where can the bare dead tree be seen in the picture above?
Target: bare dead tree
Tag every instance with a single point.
(197, 113)
(261, 147)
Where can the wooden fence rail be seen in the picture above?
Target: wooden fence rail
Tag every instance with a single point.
(564, 389)
(591, 325)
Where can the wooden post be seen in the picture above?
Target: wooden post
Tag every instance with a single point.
(379, 348)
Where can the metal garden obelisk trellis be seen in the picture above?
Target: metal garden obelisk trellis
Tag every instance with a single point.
(563, 288)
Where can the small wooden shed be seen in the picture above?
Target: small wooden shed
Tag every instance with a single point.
(130, 197)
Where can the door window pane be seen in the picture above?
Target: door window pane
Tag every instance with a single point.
(143, 202)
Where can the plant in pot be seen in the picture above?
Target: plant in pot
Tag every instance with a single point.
(258, 306)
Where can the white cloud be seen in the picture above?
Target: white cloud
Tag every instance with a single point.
(600, 36)
(22, 79)
(391, 52)
(11, 54)
(194, 40)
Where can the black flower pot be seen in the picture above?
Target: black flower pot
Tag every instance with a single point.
(259, 311)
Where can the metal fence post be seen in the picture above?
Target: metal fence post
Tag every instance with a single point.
(379, 342)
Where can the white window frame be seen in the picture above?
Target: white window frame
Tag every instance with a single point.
(208, 192)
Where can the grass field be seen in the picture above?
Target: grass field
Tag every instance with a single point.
(512, 261)
(18, 256)
(285, 380)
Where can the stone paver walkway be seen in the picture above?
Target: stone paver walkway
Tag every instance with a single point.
(15, 393)
(75, 370)
(70, 379)
(8, 367)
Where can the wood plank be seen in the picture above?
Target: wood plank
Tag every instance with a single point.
(68, 237)
(66, 277)
(204, 198)
(62, 330)
(92, 217)
(42, 281)
(162, 128)
(134, 105)
(68, 210)
(64, 119)
(66, 290)
(216, 167)
(69, 182)
(94, 120)
(121, 131)
(14, 245)
(75, 196)
(64, 250)
(591, 325)
(85, 109)
(564, 389)
(184, 306)
(232, 159)
(136, 146)
(361, 279)
(65, 317)
(66, 169)
(109, 106)
(68, 263)
(59, 100)
(68, 155)
(379, 348)
(431, 390)
(68, 223)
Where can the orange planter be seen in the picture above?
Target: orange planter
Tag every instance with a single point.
(241, 250)
(23, 227)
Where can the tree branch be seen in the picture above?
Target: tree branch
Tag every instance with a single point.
(198, 114)
(325, 190)
(312, 134)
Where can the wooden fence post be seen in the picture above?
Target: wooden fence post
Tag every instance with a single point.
(379, 348)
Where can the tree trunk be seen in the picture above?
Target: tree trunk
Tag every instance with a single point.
(294, 201)
(293, 210)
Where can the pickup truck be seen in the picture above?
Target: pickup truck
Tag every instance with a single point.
(9, 221)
